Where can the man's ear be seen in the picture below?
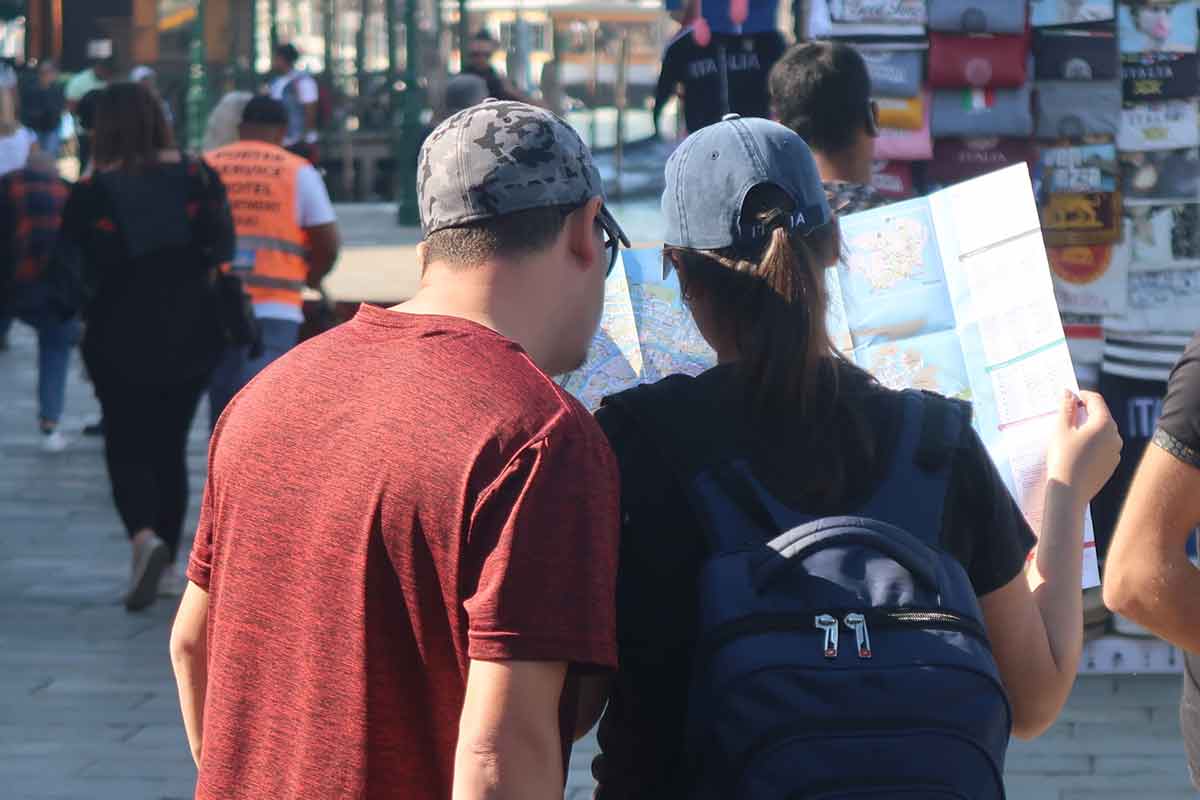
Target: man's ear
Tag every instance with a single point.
(423, 256)
(580, 230)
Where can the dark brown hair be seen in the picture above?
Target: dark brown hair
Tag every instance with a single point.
(822, 91)
(769, 299)
(507, 236)
(130, 129)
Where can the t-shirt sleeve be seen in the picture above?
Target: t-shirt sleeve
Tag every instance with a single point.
(984, 527)
(199, 567)
(1179, 426)
(313, 207)
(541, 552)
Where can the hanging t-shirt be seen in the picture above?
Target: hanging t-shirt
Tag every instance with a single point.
(729, 75)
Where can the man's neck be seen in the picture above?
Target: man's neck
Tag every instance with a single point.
(842, 167)
(477, 295)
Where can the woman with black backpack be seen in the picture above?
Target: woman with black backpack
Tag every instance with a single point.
(149, 228)
(823, 590)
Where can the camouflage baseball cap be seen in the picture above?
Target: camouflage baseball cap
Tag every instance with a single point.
(500, 157)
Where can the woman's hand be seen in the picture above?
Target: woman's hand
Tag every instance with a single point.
(1086, 446)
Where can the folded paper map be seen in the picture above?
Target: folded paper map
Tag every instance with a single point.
(950, 293)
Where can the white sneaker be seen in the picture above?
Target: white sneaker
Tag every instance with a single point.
(149, 562)
(172, 583)
(54, 441)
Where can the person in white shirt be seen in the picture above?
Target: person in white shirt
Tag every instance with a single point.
(16, 141)
(147, 77)
(299, 93)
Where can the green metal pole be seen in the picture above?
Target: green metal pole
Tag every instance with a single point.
(405, 152)
(360, 52)
(464, 33)
(329, 31)
(197, 93)
(273, 12)
(251, 81)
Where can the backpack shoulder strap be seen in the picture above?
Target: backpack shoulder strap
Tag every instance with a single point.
(912, 494)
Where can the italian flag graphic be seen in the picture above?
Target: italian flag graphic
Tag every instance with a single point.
(978, 99)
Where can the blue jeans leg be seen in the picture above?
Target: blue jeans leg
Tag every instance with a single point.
(56, 339)
(50, 142)
(226, 380)
(279, 336)
(236, 370)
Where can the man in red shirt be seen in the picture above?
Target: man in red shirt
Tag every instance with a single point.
(406, 555)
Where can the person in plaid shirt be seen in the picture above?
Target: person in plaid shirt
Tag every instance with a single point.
(31, 204)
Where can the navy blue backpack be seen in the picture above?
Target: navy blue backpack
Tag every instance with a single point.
(840, 658)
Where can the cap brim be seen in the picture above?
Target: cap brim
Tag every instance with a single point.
(611, 222)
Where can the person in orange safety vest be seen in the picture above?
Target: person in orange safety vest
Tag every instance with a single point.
(287, 238)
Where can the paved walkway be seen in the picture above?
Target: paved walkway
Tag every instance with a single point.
(87, 703)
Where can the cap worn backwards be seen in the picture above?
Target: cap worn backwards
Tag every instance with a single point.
(710, 174)
(501, 157)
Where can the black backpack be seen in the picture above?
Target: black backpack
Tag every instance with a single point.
(843, 657)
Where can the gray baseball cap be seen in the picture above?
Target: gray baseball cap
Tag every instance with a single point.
(709, 175)
(501, 157)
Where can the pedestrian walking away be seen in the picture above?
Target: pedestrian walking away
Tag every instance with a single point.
(301, 96)
(402, 580)
(287, 239)
(77, 90)
(31, 206)
(42, 107)
(823, 586)
(150, 228)
(822, 91)
(225, 121)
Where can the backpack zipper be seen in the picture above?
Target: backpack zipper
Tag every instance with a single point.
(858, 621)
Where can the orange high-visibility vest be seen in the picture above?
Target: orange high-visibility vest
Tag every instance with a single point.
(272, 249)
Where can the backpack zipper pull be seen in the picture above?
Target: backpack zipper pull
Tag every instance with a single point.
(858, 624)
(827, 623)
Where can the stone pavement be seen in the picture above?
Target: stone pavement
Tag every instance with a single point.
(87, 702)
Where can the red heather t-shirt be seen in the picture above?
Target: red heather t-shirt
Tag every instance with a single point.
(384, 503)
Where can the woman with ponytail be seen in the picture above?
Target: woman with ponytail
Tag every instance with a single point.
(750, 234)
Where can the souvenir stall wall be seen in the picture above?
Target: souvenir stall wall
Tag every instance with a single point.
(1100, 99)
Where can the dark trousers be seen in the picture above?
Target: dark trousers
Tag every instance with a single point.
(146, 429)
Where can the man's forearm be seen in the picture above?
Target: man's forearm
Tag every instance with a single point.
(191, 676)
(1057, 580)
(1166, 603)
(512, 770)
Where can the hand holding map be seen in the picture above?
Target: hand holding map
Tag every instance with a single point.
(940, 293)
